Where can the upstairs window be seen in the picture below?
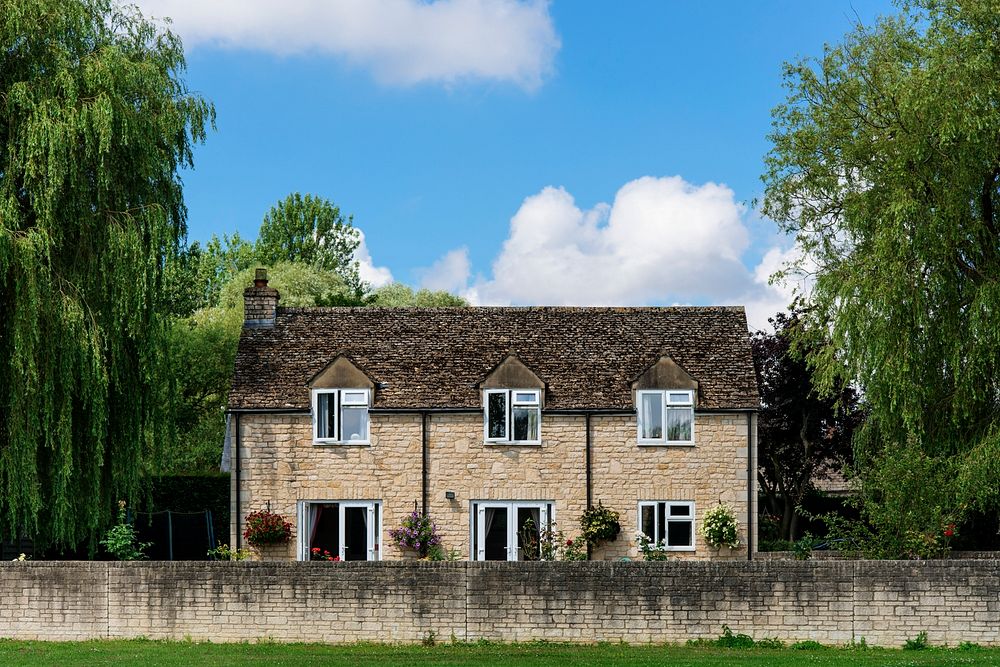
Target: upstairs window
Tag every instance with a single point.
(512, 415)
(665, 417)
(340, 416)
(669, 525)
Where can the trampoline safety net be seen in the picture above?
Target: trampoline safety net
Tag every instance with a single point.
(176, 535)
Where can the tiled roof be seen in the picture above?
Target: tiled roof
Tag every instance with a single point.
(436, 357)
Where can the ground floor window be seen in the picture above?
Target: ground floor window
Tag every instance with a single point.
(668, 524)
(509, 530)
(347, 530)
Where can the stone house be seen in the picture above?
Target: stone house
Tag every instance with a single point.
(347, 419)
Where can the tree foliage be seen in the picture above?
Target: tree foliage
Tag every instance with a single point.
(802, 435)
(95, 123)
(203, 352)
(885, 165)
(398, 295)
(309, 230)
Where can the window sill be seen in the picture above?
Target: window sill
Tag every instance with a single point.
(666, 444)
(341, 443)
(513, 443)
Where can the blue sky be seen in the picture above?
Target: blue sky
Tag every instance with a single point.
(569, 152)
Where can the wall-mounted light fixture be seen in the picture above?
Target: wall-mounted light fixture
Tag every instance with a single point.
(450, 495)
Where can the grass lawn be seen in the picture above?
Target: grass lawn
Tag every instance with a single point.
(151, 653)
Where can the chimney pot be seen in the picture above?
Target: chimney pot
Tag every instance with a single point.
(260, 302)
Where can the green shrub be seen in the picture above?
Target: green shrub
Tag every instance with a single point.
(121, 540)
(729, 640)
(769, 642)
(802, 548)
(807, 645)
(918, 643)
(224, 552)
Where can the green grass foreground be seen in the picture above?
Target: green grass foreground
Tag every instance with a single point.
(151, 653)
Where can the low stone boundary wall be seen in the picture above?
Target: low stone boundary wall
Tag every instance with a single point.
(884, 602)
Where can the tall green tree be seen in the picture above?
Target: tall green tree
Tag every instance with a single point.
(310, 230)
(95, 122)
(886, 167)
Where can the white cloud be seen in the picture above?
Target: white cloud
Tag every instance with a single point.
(400, 41)
(763, 299)
(376, 276)
(450, 273)
(662, 241)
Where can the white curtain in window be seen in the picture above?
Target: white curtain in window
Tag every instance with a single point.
(315, 512)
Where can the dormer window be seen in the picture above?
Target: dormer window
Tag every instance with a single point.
(665, 417)
(512, 416)
(340, 416)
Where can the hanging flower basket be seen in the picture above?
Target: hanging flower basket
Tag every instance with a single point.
(417, 532)
(265, 527)
(719, 527)
(600, 524)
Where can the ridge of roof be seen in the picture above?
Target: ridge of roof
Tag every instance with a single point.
(297, 310)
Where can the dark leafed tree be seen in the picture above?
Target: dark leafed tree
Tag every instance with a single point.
(886, 167)
(802, 435)
(95, 123)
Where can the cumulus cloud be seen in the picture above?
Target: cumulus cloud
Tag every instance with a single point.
(450, 273)
(662, 241)
(764, 298)
(400, 41)
(376, 276)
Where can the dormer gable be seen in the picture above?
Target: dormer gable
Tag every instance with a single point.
(665, 374)
(512, 373)
(341, 373)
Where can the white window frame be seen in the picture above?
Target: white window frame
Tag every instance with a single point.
(509, 405)
(477, 523)
(665, 406)
(664, 546)
(374, 538)
(339, 406)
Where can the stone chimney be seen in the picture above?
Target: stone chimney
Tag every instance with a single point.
(260, 302)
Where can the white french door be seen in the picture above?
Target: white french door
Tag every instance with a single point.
(509, 530)
(348, 530)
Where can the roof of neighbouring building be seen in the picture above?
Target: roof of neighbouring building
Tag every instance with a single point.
(436, 357)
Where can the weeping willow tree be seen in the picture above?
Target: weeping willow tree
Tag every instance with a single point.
(886, 167)
(95, 123)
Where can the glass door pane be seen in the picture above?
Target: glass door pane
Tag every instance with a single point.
(493, 533)
(528, 539)
(355, 533)
(324, 529)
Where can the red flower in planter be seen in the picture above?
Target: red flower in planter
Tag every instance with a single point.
(949, 530)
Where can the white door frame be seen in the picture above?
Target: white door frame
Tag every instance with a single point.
(511, 507)
(374, 533)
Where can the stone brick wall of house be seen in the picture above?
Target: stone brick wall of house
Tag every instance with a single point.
(280, 467)
(833, 602)
(713, 470)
